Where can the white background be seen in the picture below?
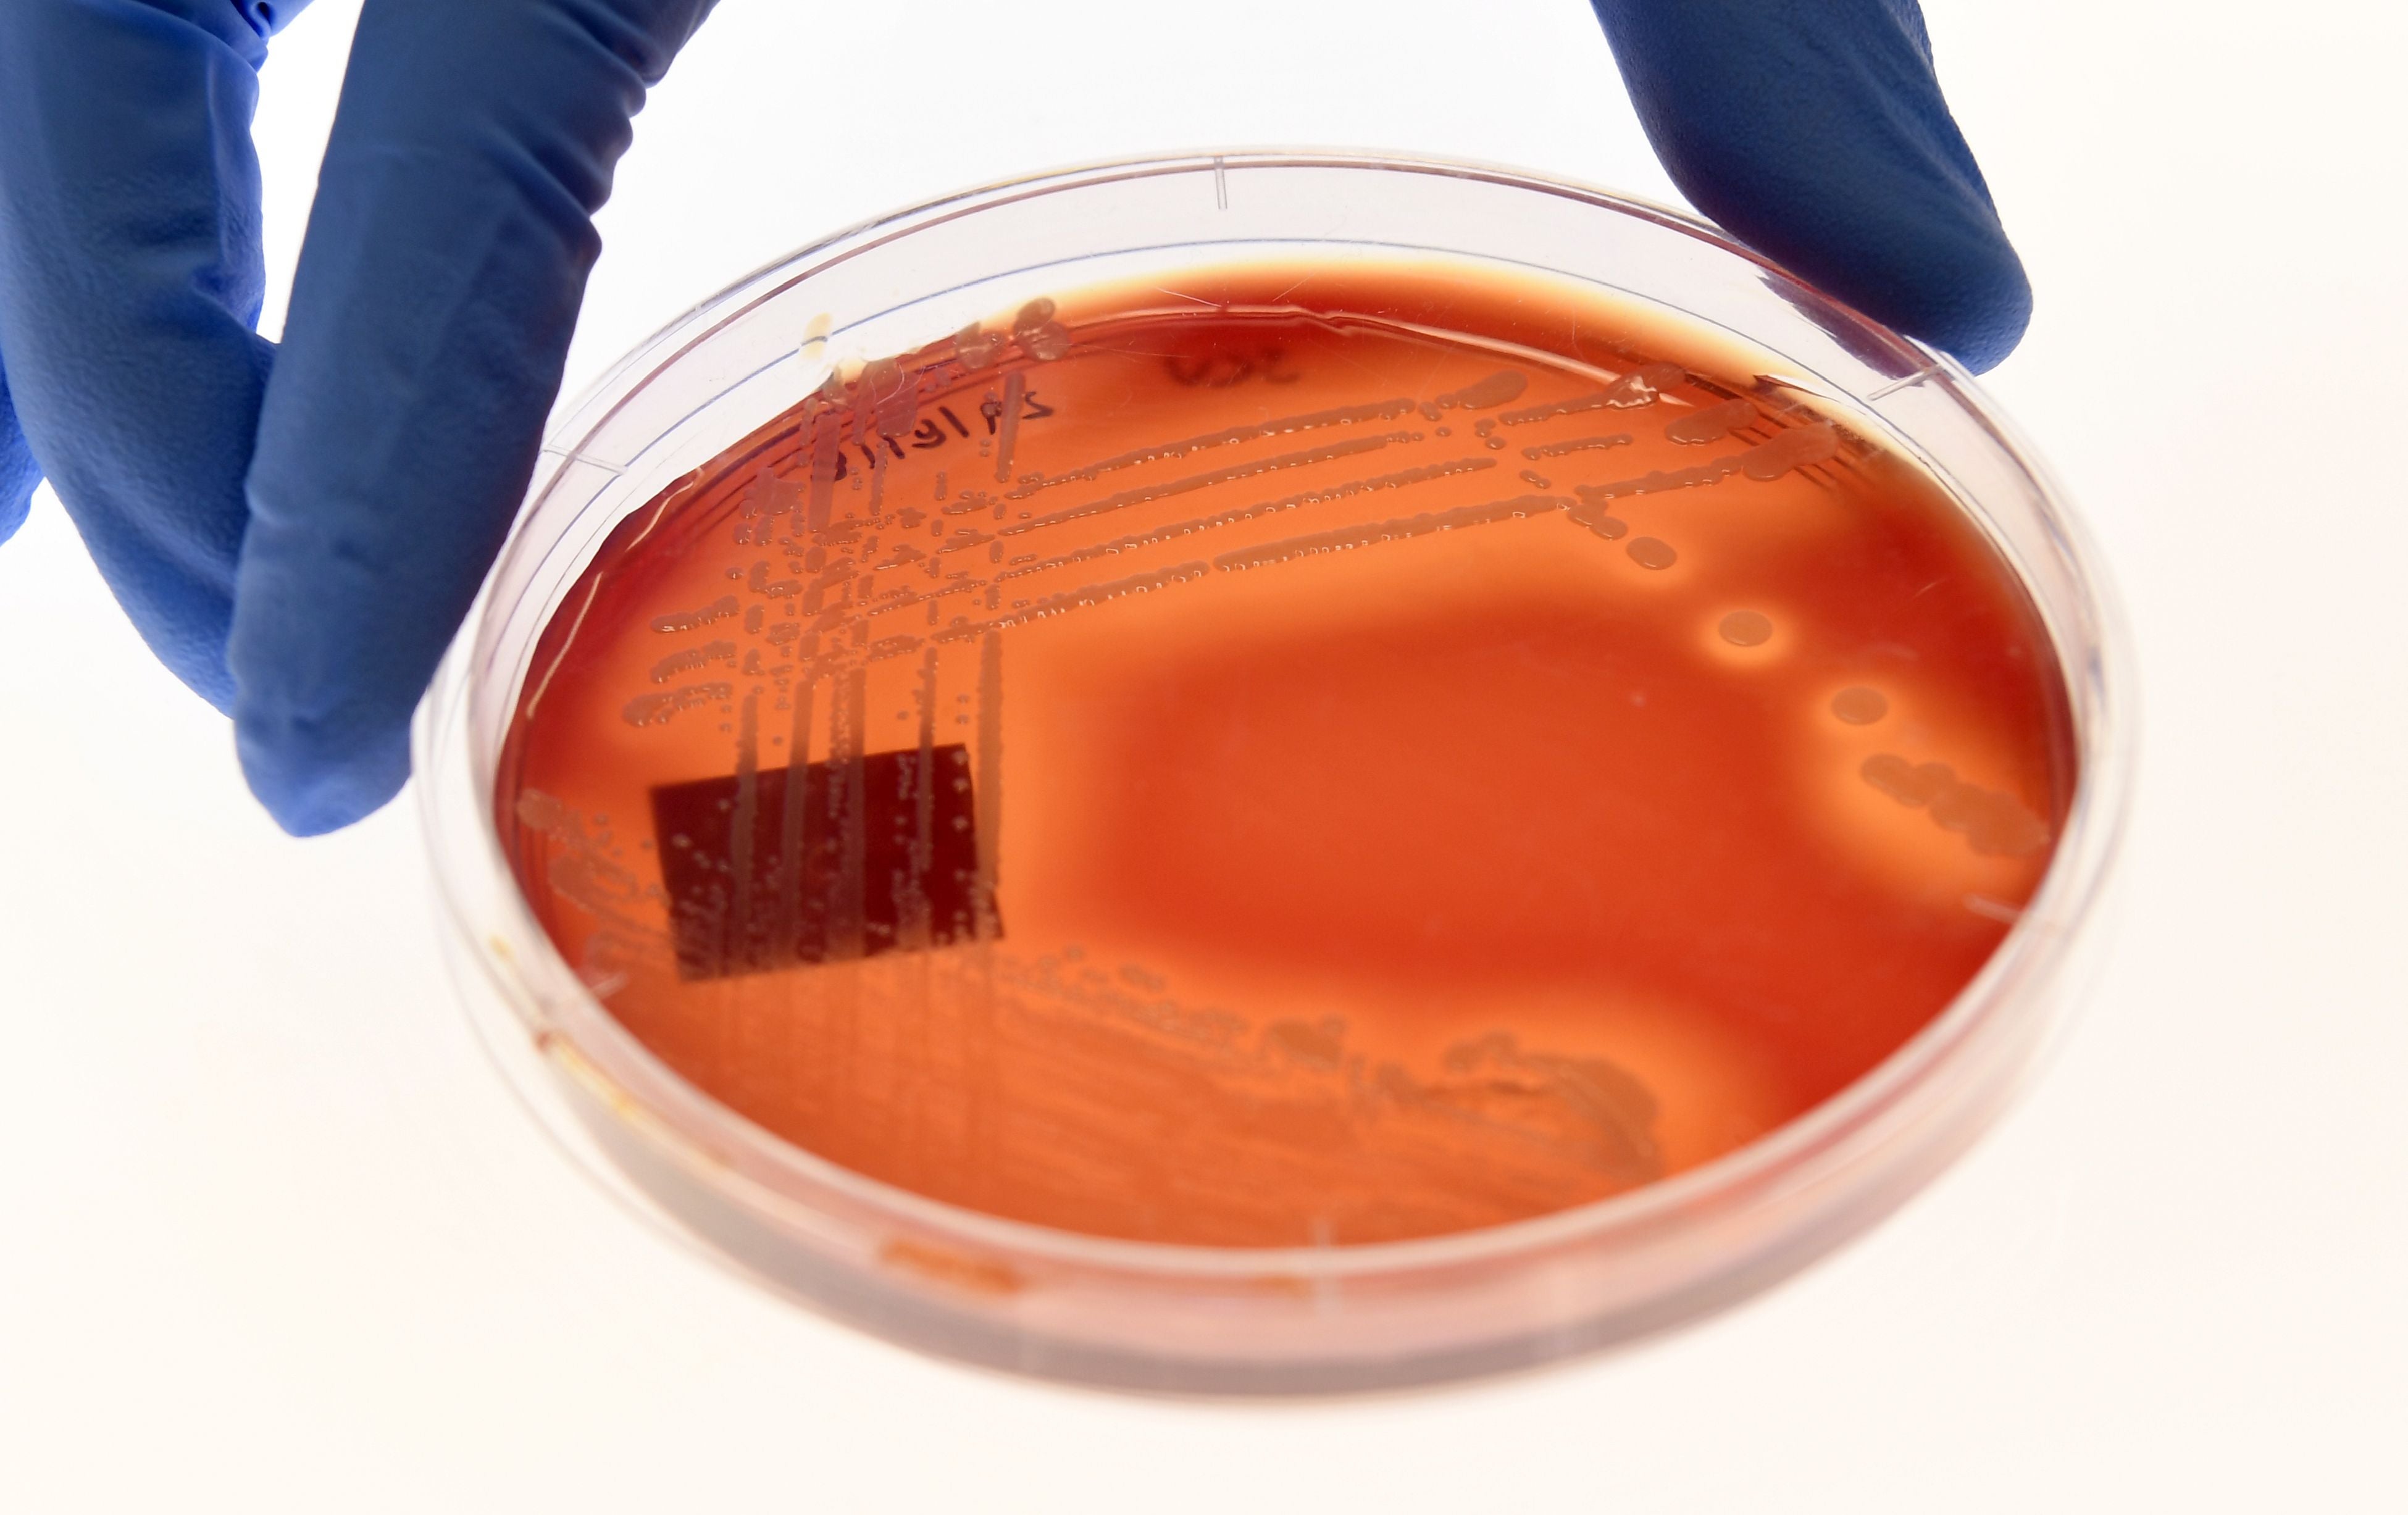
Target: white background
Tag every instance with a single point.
(273, 1236)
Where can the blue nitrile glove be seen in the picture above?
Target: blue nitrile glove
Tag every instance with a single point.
(1814, 131)
(297, 533)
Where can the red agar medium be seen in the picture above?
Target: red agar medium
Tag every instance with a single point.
(1310, 754)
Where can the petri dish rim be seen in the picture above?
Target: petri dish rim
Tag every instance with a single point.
(2088, 639)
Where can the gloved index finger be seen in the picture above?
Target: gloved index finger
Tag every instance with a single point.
(1816, 134)
(437, 289)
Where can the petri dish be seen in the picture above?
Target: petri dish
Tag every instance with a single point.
(1276, 773)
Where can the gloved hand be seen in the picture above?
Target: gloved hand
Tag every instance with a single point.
(297, 531)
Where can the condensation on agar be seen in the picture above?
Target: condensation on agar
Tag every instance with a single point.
(1259, 760)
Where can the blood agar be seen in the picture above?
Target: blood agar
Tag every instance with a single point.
(1295, 753)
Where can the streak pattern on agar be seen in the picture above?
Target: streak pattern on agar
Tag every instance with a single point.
(1399, 863)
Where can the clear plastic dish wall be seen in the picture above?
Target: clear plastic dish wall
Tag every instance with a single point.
(1239, 1320)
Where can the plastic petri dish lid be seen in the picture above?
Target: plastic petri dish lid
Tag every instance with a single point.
(1249, 1320)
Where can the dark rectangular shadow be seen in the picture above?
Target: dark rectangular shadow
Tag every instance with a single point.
(863, 856)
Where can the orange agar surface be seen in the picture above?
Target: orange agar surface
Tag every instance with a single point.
(1300, 754)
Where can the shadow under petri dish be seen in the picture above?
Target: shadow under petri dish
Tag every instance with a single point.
(1153, 764)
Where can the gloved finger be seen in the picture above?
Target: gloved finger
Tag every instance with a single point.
(1816, 134)
(438, 284)
(130, 278)
(18, 472)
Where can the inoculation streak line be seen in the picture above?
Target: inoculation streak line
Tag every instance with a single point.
(1008, 436)
(1797, 447)
(737, 950)
(988, 789)
(1633, 390)
(1577, 444)
(791, 840)
(1346, 415)
(1400, 479)
(917, 925)
(1149, 493)
(1263, 555)
(848, 801)
(1398, 529)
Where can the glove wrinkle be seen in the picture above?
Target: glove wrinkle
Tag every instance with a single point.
(645, 35)
(230, 23)
(131, 276)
